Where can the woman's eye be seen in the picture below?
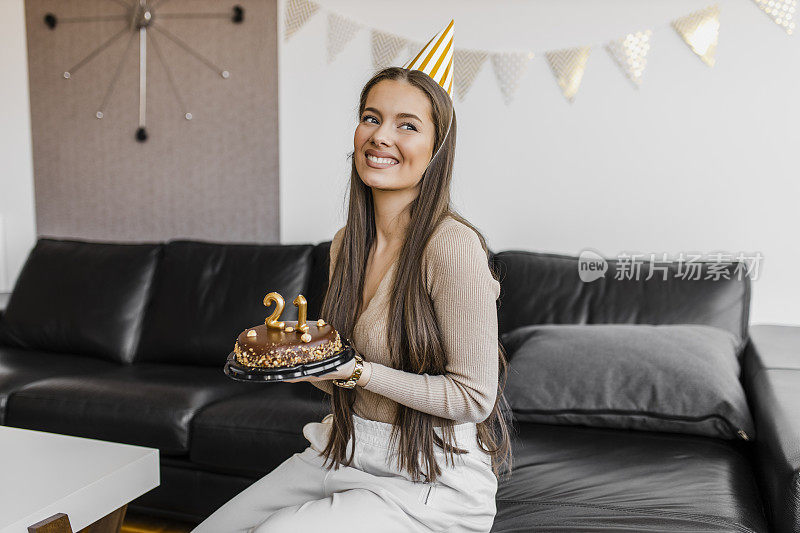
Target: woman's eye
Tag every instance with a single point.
(367, 117)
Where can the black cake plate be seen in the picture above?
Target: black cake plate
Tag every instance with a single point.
(240, 372)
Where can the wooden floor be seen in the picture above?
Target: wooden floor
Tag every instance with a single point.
(138, 523)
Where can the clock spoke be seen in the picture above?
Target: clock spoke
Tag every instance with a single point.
(186, 47)
(117, 73)
(94, 52)
(171, 80)
(193, 15)
(122, 3)
(94, 19)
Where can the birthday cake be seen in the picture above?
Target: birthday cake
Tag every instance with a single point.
(285, 344)
(265, 347)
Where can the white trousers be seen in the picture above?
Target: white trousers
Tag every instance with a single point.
(301, 495)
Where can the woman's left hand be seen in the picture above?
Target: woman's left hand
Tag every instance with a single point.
(343, 371)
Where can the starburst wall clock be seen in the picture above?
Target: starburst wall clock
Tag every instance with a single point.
(141, 16)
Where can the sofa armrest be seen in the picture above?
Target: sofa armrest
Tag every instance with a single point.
(772, 382)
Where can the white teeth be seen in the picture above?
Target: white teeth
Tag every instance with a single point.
(381, 160)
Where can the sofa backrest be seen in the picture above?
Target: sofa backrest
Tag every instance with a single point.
(80, 297)
(543, 288)
(318, 279)
(205, 293)
(185, 301)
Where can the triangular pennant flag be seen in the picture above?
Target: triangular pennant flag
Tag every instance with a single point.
(630, 53)
(341, 31)
(781, 11)
(568, 66)
(412, 49)
(436, 58)
(297, 13)
(700, 30)
(467, 64)
(385, 47)
(509, 68)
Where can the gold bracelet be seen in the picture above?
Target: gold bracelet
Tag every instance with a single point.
(353, 379)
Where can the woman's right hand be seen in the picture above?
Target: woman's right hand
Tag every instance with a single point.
(343, 371)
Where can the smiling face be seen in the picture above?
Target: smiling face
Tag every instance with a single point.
(394, 139)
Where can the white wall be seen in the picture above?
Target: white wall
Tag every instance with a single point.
(698, 160)
(17, 219)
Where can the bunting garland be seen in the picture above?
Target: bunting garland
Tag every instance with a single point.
(568, 66)
(466, 64)
(341, 31)
(385, 47)
(630, 53)
(782, 12)
(413, 47)
(509, 68)
(297, 13)
(699, 29)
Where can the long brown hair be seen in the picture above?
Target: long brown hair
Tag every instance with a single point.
(413, 332)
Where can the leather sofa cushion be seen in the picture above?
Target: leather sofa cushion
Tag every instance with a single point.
(19, 367)
(318, 278)
(252, 434)
(205, 294)
(80, 297)
(542, 288)
(147, 405)
(596, 479)
(672, 378)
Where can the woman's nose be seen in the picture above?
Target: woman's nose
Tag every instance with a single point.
(380, 136)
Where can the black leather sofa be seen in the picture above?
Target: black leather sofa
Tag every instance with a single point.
(126, 342)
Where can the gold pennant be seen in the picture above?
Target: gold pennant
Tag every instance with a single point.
(630, 53)
(385, 47)
(467, 64)
(783, 12)
(568, 66)
(341, 31)
(700, 30)
(297, 13)
(509, 68)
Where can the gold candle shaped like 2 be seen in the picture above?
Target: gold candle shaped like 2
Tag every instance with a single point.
(272, 320)
(302, 311)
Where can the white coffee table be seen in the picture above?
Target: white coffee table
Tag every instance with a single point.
(43, 474)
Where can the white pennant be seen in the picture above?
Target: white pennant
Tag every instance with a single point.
(630, 53)
(412, 49)
(341, 31)
(297, 13)
(385, 47)
(700, 30)
(509, 68)
(783, 12)
(568, 66)
(467, 64)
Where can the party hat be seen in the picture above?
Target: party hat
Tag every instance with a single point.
(436, 59)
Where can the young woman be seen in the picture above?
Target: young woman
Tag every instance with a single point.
(417, 444)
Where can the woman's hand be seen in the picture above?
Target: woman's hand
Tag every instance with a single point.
(343, 371)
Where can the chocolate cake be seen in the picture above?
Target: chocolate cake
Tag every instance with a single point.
(269, 347)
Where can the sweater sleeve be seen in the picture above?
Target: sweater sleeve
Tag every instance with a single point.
(326, 385)
(464, 295)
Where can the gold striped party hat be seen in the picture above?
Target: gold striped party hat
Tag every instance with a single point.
(436, 59)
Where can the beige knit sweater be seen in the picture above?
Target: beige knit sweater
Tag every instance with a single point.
(464, 295)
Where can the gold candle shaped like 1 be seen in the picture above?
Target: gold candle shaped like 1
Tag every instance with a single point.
(302, 312)
(272, 320)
